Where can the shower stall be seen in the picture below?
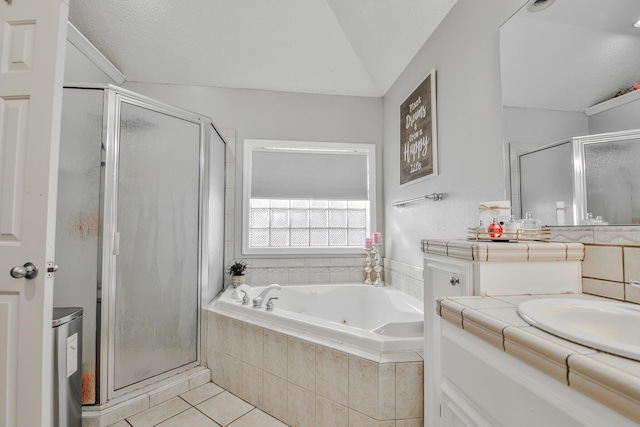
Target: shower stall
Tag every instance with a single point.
(139, 236)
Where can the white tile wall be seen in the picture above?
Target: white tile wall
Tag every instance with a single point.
(304, 383)
(612, 256)
(404, 277)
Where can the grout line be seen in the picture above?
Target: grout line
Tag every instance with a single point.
(206, 415)
(174, 415)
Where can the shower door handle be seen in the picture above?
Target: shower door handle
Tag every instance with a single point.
(28, 271)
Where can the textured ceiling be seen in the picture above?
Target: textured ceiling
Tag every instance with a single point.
(342, 47)
(571, 55)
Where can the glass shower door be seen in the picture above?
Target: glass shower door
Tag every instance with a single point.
(546, 178)
(611, 181)
(156, 277)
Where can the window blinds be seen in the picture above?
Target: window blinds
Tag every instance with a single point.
(283, 174)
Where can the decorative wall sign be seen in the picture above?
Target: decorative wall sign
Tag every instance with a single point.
(418, 136)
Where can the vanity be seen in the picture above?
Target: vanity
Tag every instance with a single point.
(486, 366)
(497, 370)
(467, 268)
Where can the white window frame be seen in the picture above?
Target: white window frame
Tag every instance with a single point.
(252, 144)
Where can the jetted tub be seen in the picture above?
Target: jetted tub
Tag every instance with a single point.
(382, 319)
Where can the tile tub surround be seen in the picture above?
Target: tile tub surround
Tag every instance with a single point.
(304, 380)
(302, 271)
(611, 380)
(404, 277)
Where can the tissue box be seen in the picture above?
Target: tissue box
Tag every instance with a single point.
(500, 209)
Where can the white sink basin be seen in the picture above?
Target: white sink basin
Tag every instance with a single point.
(608, 326)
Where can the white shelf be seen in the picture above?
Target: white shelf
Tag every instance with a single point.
(613, 102)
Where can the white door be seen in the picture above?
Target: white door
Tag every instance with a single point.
(32, 41)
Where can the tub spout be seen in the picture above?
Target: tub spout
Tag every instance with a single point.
(257, 301)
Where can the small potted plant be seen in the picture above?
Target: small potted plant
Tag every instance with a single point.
(236, 271)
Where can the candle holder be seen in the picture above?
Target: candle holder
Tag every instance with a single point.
(377, 267)
(367, 268)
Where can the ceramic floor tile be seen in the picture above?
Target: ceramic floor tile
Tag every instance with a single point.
(224, 408)
(202, 393)
(159, 413)
(128, 409)
(256, 418)
(190, 418)
(121, 424)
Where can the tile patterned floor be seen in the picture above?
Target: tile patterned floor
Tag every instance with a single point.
(205, 406)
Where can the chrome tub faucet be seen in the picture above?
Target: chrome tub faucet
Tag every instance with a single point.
(257, 301)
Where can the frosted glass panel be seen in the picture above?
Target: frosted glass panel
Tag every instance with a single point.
(156, 319)
(78, 218)
(546, 177)
(612, 181)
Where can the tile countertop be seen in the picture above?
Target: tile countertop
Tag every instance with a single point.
(504, 251)
(611, 380)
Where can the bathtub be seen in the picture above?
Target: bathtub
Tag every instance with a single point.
(380, 319)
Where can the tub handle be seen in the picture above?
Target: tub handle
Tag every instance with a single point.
(270, 303)
(454, 280)
(245, 297)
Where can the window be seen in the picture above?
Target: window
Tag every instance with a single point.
(307, 197)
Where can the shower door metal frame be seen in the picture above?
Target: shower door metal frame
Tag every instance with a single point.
(579, 164)
(114, 97)
(577, 167)
(577, 146)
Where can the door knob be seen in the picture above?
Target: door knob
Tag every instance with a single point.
(454, 280)
(27, 271)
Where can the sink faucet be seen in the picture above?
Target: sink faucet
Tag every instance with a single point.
(257, 301)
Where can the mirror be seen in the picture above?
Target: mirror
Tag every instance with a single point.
(562, 64)
(583, 180)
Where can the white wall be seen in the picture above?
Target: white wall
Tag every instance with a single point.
(541, 127)
(624, 117)
(464, 50)
(276, 115)
(79, 69)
